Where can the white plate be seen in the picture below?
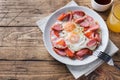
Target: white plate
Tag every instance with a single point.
(66, 60)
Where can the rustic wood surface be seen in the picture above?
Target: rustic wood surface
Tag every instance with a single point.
(22, 52)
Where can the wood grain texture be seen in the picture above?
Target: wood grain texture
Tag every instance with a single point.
(22, 52)
(39, 70)
(17, 36)
(26, 13)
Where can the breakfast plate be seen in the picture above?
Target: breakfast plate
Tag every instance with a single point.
(66, 60)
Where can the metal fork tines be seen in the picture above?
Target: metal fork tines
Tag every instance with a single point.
(106, 58)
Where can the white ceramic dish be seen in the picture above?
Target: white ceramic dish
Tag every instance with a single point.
(66, 60)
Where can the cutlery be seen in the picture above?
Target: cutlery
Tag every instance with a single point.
(106, 58)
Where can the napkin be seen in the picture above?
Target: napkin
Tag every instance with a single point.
(78, 71)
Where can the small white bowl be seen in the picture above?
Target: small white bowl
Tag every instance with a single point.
(100, 7)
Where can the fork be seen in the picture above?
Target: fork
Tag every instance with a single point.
(106, 58)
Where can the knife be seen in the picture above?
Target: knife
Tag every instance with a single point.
(106, 58)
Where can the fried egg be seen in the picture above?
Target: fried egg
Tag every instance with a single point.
(73, 36)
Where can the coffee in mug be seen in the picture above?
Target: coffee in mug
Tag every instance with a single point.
(103, 2)
(101, 5)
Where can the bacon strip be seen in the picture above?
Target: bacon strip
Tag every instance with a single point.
(94, 27)
(85, 23)
(97, 37)
(78, 14)
(83, 52)
(60, 51)
(92, 42)
(79, 20)
(57, 27)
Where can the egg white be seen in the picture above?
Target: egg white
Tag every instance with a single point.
(82, 40)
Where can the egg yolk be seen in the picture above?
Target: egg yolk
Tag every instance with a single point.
(73, 38)
(69, 26)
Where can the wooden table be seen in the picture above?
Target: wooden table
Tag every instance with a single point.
(22, 52)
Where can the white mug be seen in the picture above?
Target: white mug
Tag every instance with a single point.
(100, 7)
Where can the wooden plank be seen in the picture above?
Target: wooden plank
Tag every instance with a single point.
(105, 72)
(1, 35)
(7, 70)
(27, 12)
(24, 53)
(33, 70)
(17, 70)
(8, 53)
(16, 36)
(32, 53)
(40, 67)
(22, 43)
(50, 70)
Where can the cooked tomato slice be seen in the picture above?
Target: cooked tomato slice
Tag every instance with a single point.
(61, 44)
(61, 17)
(89, 34)
(65, 16)
(69, 53)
